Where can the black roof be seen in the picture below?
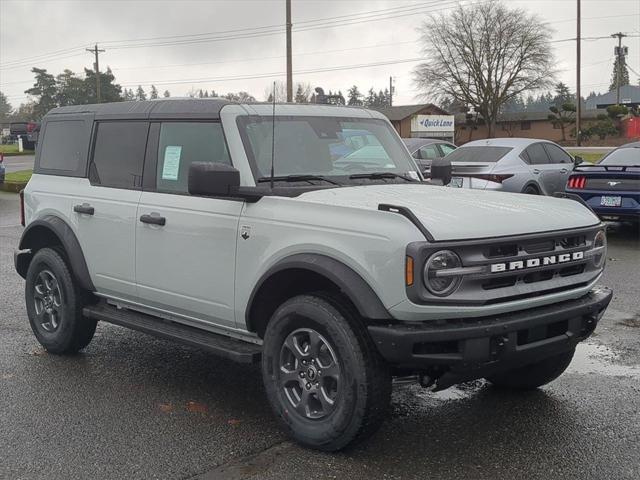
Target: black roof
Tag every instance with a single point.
(150, 109)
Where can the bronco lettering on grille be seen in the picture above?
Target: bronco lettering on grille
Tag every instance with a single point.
(536, 262)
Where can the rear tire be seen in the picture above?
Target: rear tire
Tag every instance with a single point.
(54, 305)
(533, 376)
(531, 190)
(342, 405)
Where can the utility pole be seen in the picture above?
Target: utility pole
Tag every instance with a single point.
(620, 59)
(391, 91)
(289, 66)
(97, 70)
(578, 96)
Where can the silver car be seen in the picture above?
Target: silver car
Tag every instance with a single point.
(521, 165)
(424, 150)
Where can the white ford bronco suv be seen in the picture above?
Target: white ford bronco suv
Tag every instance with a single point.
(305, 238)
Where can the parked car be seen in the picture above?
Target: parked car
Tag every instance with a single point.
(520, 165)
(424, 150)
(187, 219)
(28, 131)
(611, 187)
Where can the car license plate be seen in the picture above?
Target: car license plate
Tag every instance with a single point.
(456, 182)
(609, 201)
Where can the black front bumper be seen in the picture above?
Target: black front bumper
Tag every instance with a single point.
(461, 350)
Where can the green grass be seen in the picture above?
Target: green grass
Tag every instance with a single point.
(11, 150)
(21, 176)
(588, 156)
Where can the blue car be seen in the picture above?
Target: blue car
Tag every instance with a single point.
(611, 187)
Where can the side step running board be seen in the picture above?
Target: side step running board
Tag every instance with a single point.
(236, 350)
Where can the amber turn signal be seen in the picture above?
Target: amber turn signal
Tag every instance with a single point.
(408, 271)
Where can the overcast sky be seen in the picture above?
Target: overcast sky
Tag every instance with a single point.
(52, 34)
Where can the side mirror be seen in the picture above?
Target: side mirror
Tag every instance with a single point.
(441, 170)
(577, 160)
(213, 179)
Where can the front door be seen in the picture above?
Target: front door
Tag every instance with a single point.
(186, 245)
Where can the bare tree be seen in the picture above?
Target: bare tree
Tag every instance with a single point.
(482, 55)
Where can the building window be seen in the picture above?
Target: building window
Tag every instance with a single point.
(525, 125)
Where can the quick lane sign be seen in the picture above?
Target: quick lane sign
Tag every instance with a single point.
(432, 123)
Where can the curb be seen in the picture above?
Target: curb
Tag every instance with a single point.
(12, 186)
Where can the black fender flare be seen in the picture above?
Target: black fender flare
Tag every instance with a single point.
(364, 299)
(32, 238)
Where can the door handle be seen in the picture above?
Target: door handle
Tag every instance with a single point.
(563, 170)
(536, 171)
(153, 219)
(85, 209)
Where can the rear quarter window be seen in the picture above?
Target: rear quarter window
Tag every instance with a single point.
(478, 154)
(63, 148)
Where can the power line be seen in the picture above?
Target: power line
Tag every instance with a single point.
(274, 74)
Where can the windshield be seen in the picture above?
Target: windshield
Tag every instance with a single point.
(622, 157)
(478, 154)
(324, 146)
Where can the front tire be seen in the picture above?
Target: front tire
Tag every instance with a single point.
(533, 376)
(323, 376)
(54, 305)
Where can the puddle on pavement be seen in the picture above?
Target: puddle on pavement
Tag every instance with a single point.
(601, 360)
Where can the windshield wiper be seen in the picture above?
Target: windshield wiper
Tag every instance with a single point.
(297, 178)
(381, 175)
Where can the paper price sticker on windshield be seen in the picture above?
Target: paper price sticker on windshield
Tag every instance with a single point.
(171, 165)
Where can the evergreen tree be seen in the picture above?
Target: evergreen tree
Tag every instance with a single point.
(563, 95)
(70, 89)
(624, 74)
(44, 89)
(154, 92)
(5, 107)
(128, 95)
(140, 95)
(301, 96)
(562, 116)
(372, 99)
(354, 96)
(109, 91)
(166, 94)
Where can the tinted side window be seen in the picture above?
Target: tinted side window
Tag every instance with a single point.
(63, 146)
(556, 154)
(181, 144)
(446, 148)
(118, 154)
(429, 152)
(537, 154)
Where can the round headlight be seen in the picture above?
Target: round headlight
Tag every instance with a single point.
(600, 241)
(441, 285)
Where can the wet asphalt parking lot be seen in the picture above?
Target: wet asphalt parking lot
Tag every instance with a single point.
(132, 406)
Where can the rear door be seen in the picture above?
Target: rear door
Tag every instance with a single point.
(542, 172)
(186, 245)
(104, 208)
(561, 163)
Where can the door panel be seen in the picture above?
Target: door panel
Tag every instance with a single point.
(541, 170)
(561, 163)
(187, 265)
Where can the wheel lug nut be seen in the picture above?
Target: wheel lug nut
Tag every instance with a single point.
(308, 385)
(301, 374)
(319, 372)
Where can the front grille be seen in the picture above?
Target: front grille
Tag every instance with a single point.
(513, 268)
